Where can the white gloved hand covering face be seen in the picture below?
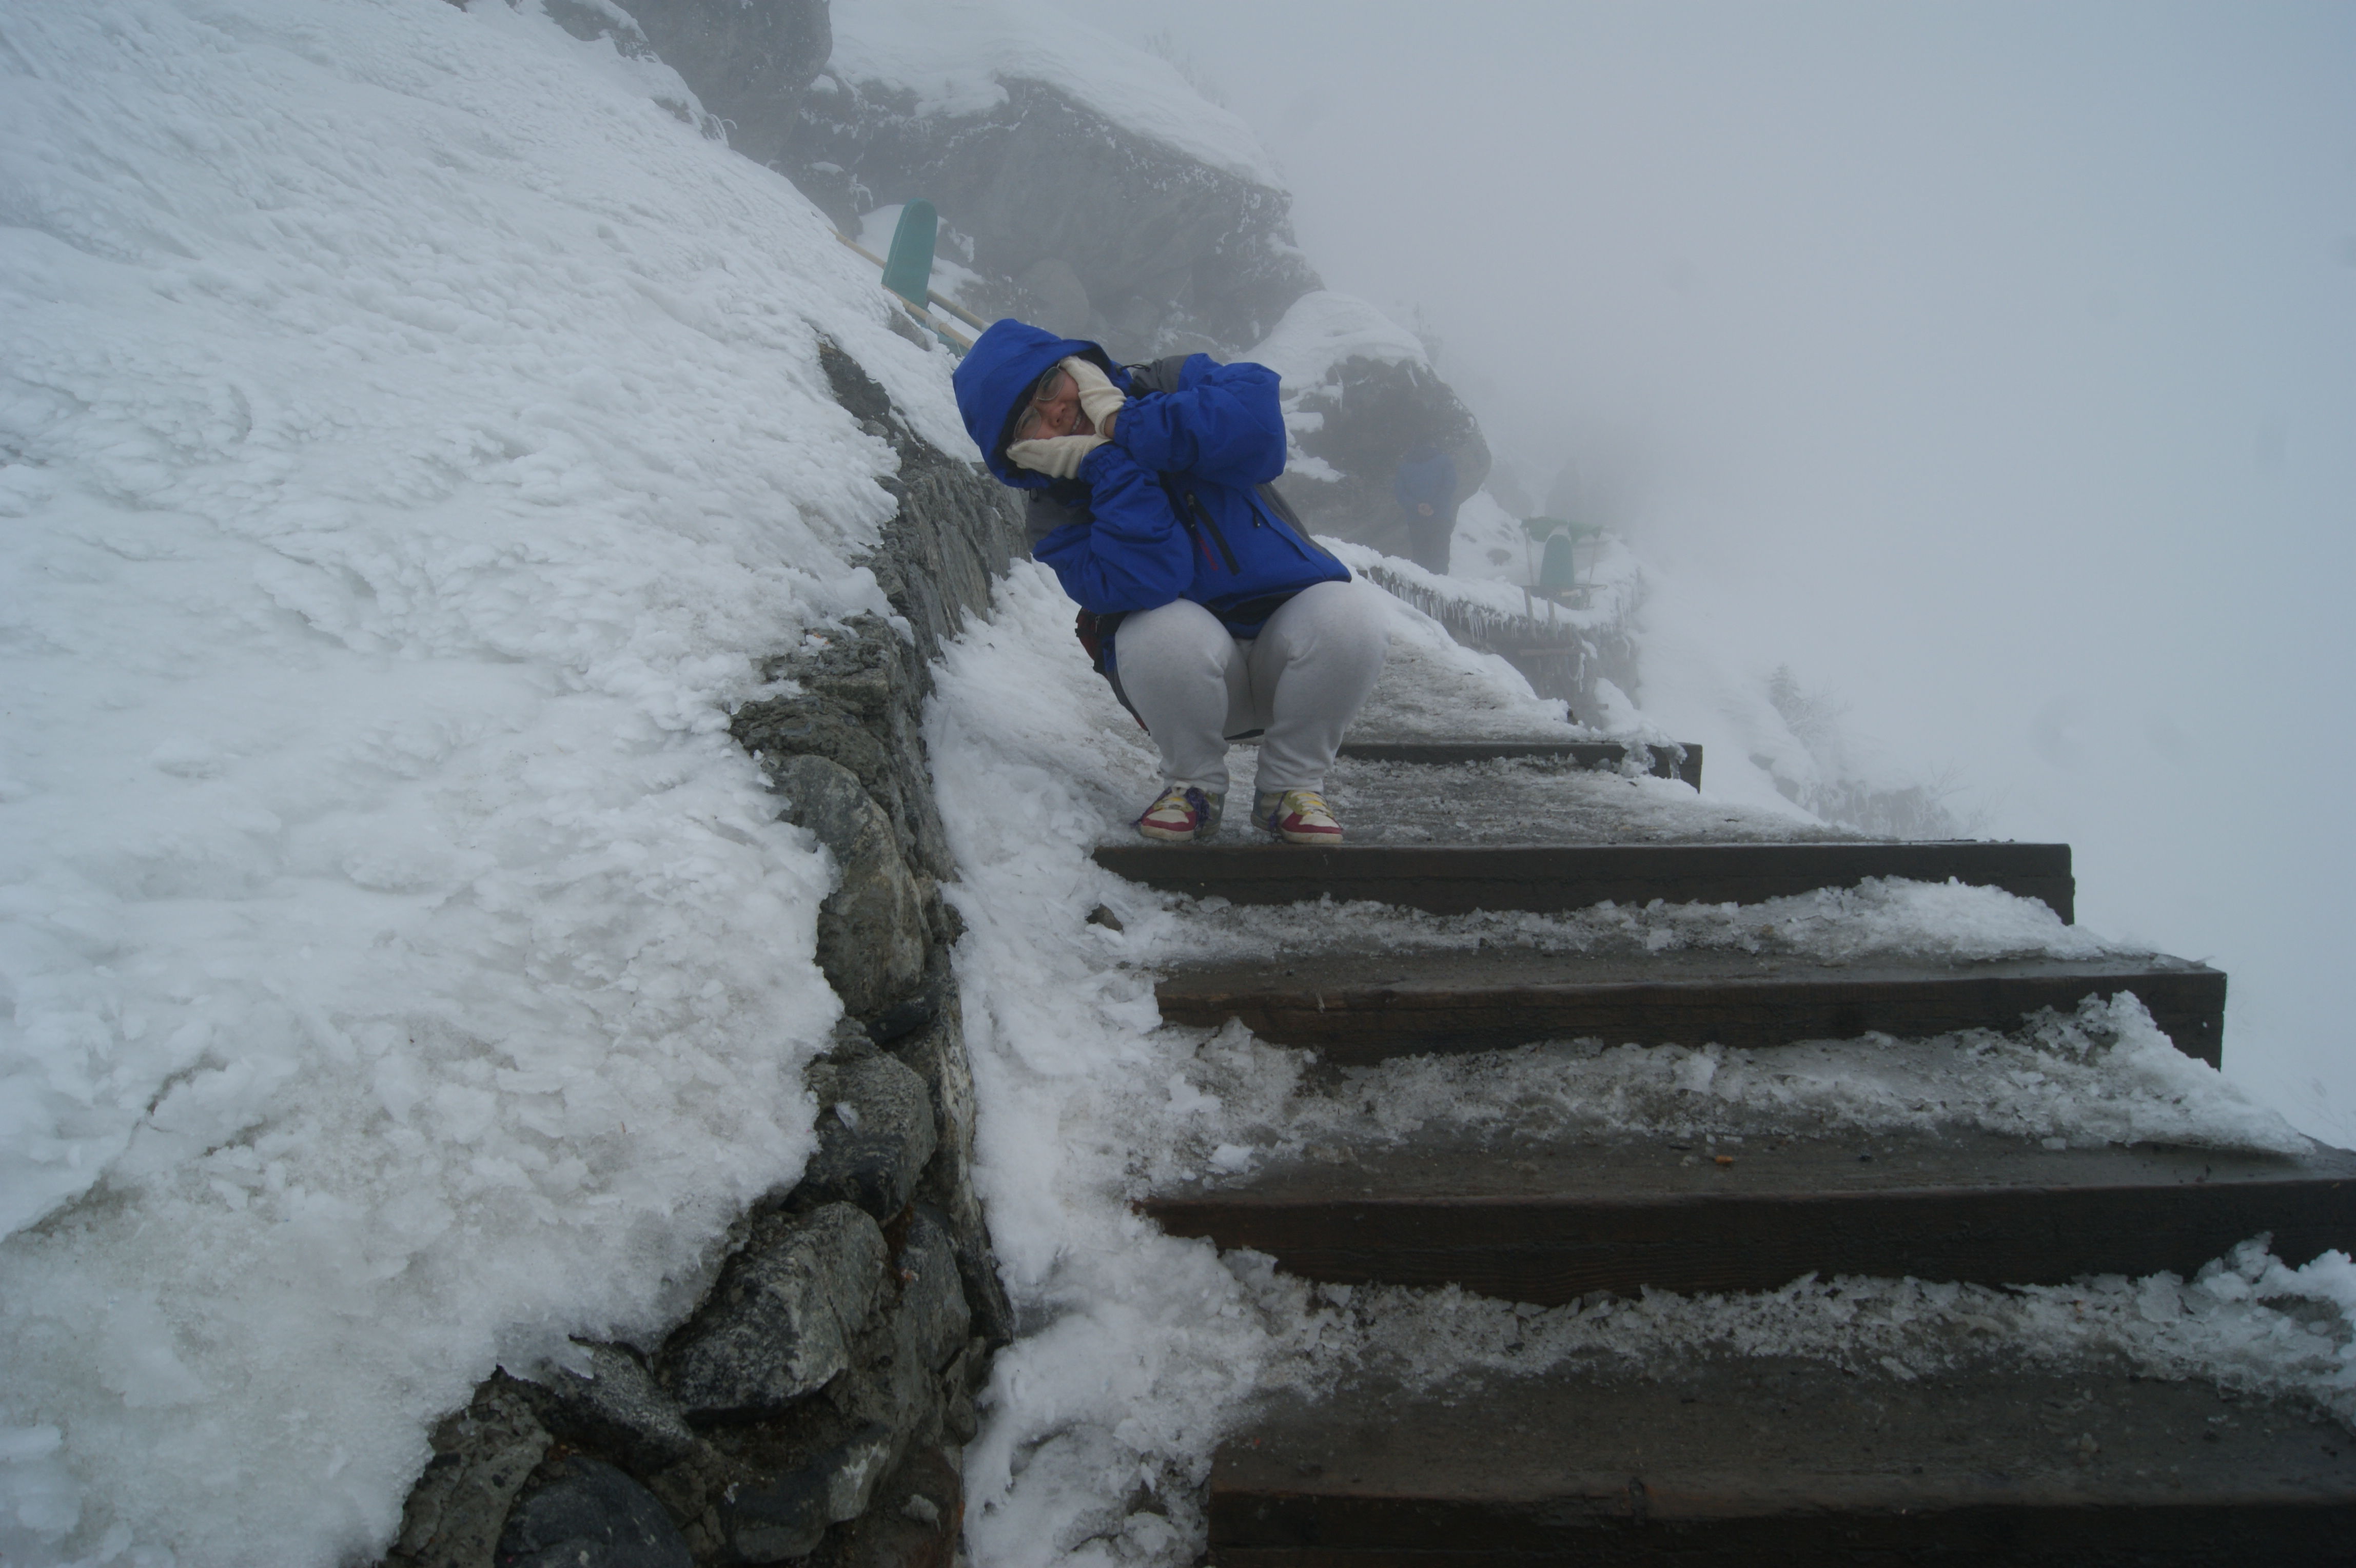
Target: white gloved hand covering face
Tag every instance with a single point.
(1100, 399)
(1058, 456)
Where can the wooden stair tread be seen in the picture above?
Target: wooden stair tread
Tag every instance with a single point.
(1550, 1222)
(1456, 880)
(1778, 1458)
(1682, 761)
(1363, 1007)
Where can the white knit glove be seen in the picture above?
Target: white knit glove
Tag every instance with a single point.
(1100, 399)
(1058, 456)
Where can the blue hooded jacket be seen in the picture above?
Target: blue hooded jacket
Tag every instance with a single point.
(1174, 506)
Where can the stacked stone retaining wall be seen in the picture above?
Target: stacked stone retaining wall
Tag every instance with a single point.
(813, 1407)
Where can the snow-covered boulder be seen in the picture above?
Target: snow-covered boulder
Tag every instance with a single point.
(1359, 394)
(748, 63)
(1130, 208)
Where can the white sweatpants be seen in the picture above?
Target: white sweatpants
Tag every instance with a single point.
(1303, 680)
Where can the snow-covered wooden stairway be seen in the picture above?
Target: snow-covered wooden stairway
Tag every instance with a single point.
(1761, 1459)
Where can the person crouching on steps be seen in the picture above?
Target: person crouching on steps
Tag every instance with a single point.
(1207, 604)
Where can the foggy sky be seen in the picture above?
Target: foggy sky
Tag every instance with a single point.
(1992, 365)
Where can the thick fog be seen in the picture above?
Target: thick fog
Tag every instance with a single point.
(1992, 366)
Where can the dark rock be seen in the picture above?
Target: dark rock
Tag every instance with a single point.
(914, 1522)
(770, 1490)
(820, 1468)
(775, 1518)
(938, 1055)
(865, 673)
(1169, 255)
(875, 1133)
(591, 1516)
(589, 19)
(961, 1381)
(932, 1312)
(909, 1014)
(615, 1408)
(483, 1455)
(1374, 413)
(860, 394)
(787, 1516)
(873, 933)
(798, 726)
(748, 63)
(781, 1321)
(896, 1384)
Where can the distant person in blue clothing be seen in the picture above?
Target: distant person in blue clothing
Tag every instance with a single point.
(1207, 602)
(1425, 488)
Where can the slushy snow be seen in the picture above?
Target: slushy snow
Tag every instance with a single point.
(410, 435)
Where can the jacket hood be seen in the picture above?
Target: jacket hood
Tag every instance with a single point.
(994, 374)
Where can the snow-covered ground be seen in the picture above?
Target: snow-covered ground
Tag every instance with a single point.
(410, 435)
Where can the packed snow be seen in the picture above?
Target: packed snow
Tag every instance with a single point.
(411, 435)
(955, 60)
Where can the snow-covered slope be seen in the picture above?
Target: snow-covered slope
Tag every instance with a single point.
(409, 433)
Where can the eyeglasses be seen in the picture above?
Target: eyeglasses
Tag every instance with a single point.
(1033, 419)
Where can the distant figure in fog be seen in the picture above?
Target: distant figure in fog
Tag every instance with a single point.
(1425, 487)
(1204, 601)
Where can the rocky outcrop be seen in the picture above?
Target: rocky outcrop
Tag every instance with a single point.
(1356, 424)
(749, 63)
(591, 1515)
(813, 1407)
(1088, 227)
(1073, 222)
(1080, 223)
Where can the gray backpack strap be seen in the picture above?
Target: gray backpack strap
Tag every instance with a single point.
(1157, 375)
(1043, 513)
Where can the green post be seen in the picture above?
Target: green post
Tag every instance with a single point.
(1559, 567)
(908, 268)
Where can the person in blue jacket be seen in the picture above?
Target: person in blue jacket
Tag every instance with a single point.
(1425, 488)
(1208, 604)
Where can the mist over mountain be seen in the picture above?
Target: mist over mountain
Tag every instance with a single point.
(1993, 369)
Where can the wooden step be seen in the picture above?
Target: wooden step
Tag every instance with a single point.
(1681, 761)
(1776, 1460)
(1456, 880)
(1551, 1222)
(1355, 1009)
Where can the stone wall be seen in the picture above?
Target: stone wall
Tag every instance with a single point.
(813, 1407)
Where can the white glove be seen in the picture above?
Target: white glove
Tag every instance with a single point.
(1058, 456)
(1100, 399)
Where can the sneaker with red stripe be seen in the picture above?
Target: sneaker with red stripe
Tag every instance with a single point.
(1181, 815)
(1296, 816)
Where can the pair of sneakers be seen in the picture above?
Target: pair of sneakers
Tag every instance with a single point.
(1186, 814)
